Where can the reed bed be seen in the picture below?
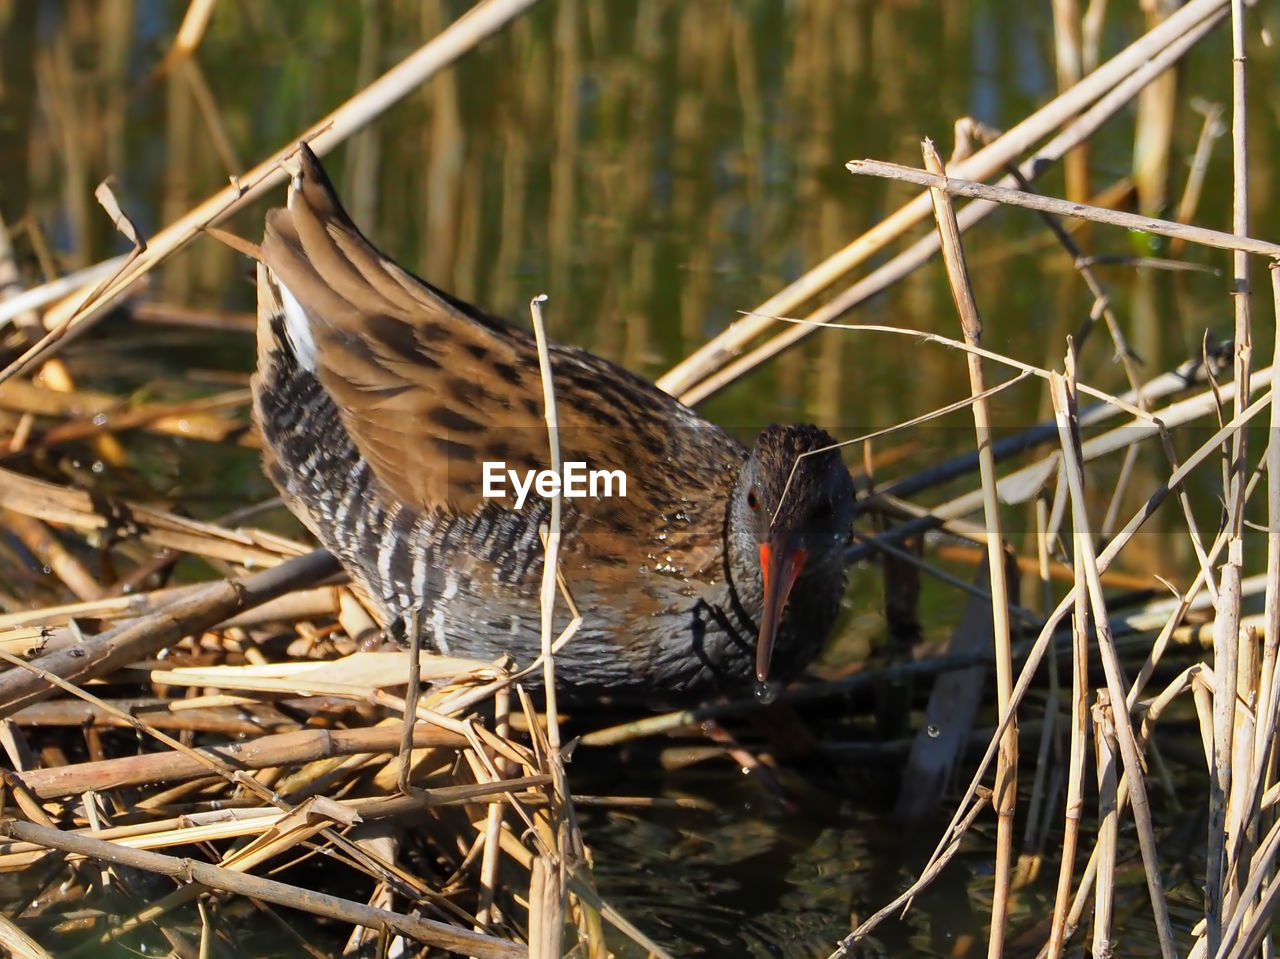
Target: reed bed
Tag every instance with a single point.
(240, 738)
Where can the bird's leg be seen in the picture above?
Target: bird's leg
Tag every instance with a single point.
(414, 690)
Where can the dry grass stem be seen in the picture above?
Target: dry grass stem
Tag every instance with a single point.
(548, 888)
(1108, 823)
(1074, 805)
(118, 647)
(1238, 242)
(1221, 888)
(1064, 408)
(1005, 791)
(442, 935)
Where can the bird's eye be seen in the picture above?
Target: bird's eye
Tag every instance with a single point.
(753, 500)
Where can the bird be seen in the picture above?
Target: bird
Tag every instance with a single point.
(385, 403)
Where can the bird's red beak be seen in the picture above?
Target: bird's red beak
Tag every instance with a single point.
(780, 564)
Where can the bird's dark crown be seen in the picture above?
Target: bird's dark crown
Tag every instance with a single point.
(794, 482)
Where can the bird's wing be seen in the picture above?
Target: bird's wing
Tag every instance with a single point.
(430, 388)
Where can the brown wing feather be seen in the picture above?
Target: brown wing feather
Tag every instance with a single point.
(429, 389)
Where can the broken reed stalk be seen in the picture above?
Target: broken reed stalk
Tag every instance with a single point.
(1248, 928)
(1243, 826)
(1005, 791)
(17, 944)
(1111, 87)
(94, 414)
(1198, 168)
(243, 718)
(547, 595)
(77, 508)
(487, 913)
(78, 283)
(240, 821)
(413, 691)
(176, 416)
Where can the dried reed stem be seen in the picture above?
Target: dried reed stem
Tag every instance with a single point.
(1262, 765)
(439, 934)
(17, 943)
(1064, 406)
(1005, 792)
(101, 654)
(79, 283)
(1074, 805)
(547, 887)
(1220, 887)
(1104, 732)
(1239, 242)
